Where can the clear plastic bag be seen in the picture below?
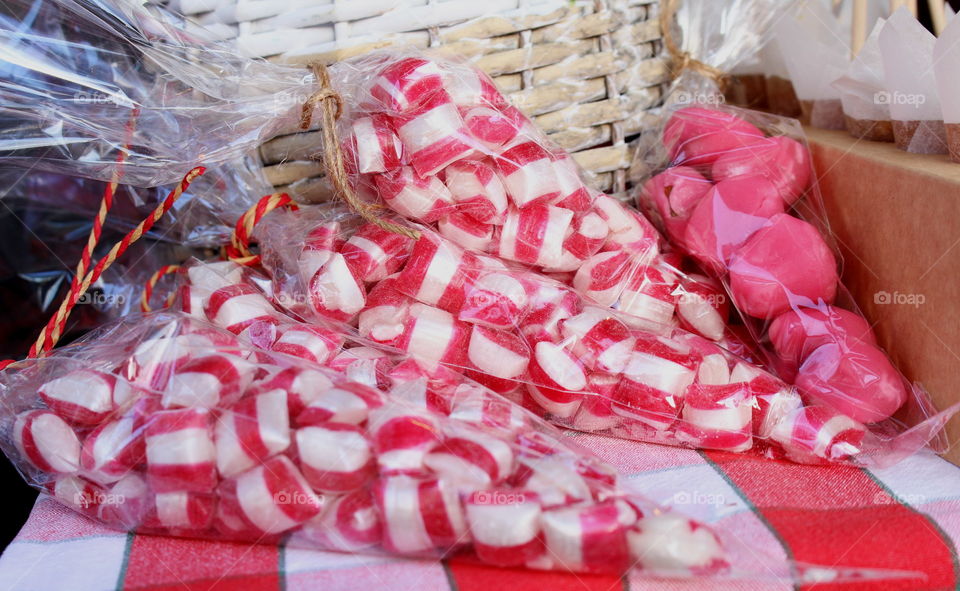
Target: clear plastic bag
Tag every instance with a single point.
(735, 190)
(167, 424)
(537, 342)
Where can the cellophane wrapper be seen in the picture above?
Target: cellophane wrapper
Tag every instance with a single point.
(90, 80)
(167, 424)
(735, 190)
(538, 342)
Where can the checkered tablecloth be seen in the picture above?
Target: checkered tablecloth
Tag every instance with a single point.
(904, 519)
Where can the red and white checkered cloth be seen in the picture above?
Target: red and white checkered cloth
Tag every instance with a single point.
(905, 518)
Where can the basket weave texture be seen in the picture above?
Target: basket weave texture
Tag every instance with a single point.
(586, 71)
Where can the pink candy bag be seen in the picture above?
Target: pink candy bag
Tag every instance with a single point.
(735, 190)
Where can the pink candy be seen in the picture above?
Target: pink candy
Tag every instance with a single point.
(783, 161)
(795, 334)
(785, 264)
(675, 193)
(698, 135)
(857, 380)
(727, 216)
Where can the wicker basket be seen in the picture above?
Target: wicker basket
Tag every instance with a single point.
(585, 71)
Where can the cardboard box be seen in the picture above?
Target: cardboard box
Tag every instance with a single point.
(896, 217)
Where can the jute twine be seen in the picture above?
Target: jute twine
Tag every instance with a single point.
(682, 60)
(331, 107)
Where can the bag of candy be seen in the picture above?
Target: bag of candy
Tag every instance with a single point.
(167, 424)
(539, 343)
(735, 190)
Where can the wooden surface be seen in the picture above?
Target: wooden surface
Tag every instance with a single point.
(897, 221)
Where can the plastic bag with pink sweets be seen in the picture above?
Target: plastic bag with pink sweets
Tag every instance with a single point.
(735, 190)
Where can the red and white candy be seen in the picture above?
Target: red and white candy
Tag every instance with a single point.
(114, 448)
(181, 510)
(477, 190)
(181, 455)
(335, 291)
(236, 307)
(422, 198)
(372, 145)
(373, 253)
(46, 441)
(83, 397)
(272, 498)
(313, 343)
(335, 457)
(419, 515)
(470, 459)
(535, 235)
(589, 537)
(208, 381)
(505, 526)
(251, 431)
(434, 134)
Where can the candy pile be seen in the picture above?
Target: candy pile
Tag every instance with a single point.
(537, 342)
(725, 200)
(436, 142)
(191, 431)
